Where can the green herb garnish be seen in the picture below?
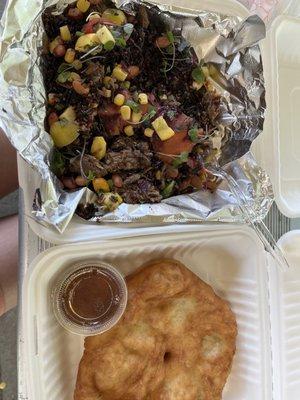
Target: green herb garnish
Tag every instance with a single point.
(167, 191)
(170, 36)
(198, 74)
(57, 165)
(133, 105)
(79, 33)
(90, 177)
(63, 77)
(128, 29)
(193, 134)
(121, 42)
(182, 158)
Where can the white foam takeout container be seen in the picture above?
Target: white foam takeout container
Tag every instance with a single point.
(278, 148)
(229, 258)
(78, 229)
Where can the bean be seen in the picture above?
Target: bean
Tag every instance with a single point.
(117, 181)
(75, 13)
(59, 50)
(162, 42)
(69, 182)
(52, 117)
(133, 71)
(80, 181)
(80, 88)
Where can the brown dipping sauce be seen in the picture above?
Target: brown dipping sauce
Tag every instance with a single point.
(90, 296)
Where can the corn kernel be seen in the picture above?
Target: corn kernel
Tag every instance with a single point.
(136, 117)
(77, 64)
(106, 92)
(119, 99)
(129, 130)
(65, 33)
(98, 148)
(108, 81)
(101, 184)
(162, 129)
(83, 5)
(148, 132)
(70, 56)
(119, 73)
(125, 113)
(143, 98)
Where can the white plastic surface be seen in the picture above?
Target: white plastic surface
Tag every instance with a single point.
(278, 148)
(230, 259)
(285, 321)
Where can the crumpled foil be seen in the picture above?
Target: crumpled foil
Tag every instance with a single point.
(227, 44)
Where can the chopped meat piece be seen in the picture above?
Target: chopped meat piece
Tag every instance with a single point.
(142, 191)
(89, 163)
(126, 160)
(131, 179)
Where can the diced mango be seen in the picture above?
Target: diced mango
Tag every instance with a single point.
(105, 36)
(111, 201)
(162, 129)
(125, 113)
(85, 42)
(68, 115)
(101, 184)
(148, 132)
(115, 16)
(65, 33)
(129, 130)
(64, 132)
(119, 73)
(98, 148)
(83, 5)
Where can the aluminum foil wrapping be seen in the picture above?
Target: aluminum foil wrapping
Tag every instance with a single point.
(227, 44)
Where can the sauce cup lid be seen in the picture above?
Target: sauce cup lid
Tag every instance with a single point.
(89, 297)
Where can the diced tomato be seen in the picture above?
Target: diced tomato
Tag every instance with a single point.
(89, 27)
(177, 144)
(112, 121)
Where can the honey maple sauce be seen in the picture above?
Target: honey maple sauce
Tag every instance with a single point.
(90, 296)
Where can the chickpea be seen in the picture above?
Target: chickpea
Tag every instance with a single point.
(117, 181)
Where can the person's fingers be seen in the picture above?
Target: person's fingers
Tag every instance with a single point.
(8, 166)
(8, 262)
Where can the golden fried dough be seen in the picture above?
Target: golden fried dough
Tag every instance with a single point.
(175, 341)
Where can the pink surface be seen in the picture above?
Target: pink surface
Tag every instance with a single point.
(264, 8)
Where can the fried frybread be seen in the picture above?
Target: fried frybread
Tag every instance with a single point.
(175, 341)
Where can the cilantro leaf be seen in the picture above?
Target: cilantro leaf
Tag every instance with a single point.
(198, 75)
(121, 42)
(133, 105)
(63, 67)
(57, 164)
(182, 158)
(90, 176)
(170, 36)
(79, 33)
(193, 134)
(167, 191)
(128, 29)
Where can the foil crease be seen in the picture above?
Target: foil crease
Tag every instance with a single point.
(228, 46)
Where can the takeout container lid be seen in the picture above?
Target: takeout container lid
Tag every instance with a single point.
(278, 147)
(265, 301)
